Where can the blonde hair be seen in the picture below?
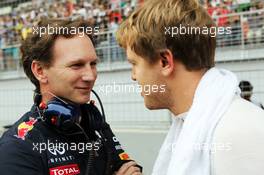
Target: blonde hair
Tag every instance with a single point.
(144, 32)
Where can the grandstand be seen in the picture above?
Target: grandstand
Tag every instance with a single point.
(242, 51)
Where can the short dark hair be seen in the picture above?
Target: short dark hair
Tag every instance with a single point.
(37, 47)
(245, 86)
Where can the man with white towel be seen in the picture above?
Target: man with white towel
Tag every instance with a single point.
(171, 43)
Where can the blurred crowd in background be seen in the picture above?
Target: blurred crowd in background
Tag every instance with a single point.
(17, 17)
(227, 13)
(107, 14)
(102, 13)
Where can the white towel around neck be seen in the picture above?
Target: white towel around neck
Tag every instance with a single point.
(181, 152)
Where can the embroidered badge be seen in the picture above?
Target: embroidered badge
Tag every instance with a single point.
(24, 127)
(124, 156)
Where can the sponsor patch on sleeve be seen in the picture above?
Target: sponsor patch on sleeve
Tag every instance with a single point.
(24, 127)
(124, 156)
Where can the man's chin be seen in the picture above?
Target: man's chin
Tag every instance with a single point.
(81, 100)
(151, 106)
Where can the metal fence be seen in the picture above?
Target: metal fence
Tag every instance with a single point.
(107, 49)
(127, 110)
(122, 109)
(247, 31)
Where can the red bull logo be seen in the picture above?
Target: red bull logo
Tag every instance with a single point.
(25, 127)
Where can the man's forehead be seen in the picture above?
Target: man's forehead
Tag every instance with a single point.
(74, 42)
(82, 59)
(75, 48)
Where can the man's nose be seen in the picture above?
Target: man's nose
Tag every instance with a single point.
(133, 76)
(89, 74)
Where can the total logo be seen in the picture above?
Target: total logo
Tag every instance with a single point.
(71, 169)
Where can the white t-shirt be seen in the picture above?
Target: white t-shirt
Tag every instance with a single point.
(240, 140)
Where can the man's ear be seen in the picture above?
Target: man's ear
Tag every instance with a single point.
(166, 62)
(38, 70)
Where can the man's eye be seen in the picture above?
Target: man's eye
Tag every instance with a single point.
(76, 66)
(93, 63)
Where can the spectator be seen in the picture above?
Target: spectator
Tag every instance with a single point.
(115, 49)
(127, 9)
(255, 35)
(243, 5)
(222, 10)
(210, 9)
(115, 15)
(115, 4)
(247, 91)
(69, 8)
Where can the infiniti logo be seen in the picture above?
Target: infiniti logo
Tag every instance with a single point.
(56, 150)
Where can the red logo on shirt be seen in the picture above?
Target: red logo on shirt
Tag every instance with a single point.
(65, 170)
(124, 156)
(24, 127)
